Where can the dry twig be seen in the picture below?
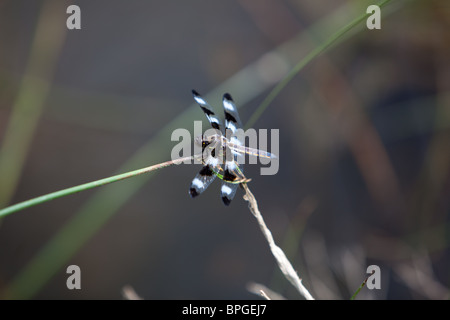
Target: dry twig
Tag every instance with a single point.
(283, 262)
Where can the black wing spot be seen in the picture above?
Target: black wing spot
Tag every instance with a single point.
(226, 201)
(228, 176)
(215, 125)
(228, 96)
(207, 111)
(193, 192)
(229, 117)
(206, 171)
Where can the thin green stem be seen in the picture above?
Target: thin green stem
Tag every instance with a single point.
(87, 186)
(361, 286)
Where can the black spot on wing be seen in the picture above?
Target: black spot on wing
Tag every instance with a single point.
(206, 171)
(215, 125)
(229, 176)
(193, 192)
(226, 201)
(229, 117)
(228, 96)
(207, 111)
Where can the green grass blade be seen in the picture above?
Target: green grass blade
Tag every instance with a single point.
(85, 186)
(30, 101)
(360, 287)
(339, 35)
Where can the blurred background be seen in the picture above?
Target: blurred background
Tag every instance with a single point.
(364, 148)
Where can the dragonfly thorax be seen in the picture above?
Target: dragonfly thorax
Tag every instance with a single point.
(204, 141)
(215, 146)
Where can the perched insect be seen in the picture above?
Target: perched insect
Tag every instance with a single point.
(218, 150)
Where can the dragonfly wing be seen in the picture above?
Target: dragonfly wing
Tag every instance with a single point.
(201, 181)
(232, 120)
(204, 178)
(228, 191)
(232, 174)
(232, 124)
(236, 148)
(234, 170)
(208, 110)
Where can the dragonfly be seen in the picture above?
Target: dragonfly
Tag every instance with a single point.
(220, 151)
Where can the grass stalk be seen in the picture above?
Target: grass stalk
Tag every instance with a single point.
(303, 62)
(87, 186)
(31, 97)
(361, 286)
(282, 261)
